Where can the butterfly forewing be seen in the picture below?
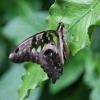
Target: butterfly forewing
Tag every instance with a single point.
(23, 51)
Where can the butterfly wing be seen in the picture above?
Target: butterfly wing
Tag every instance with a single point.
(45, 57)
(50, 61)
(23, 52)
(50, 56)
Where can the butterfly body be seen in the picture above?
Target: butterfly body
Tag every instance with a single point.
(42, 49)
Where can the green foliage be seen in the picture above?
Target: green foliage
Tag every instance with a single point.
(95, 95)
(77, 16)
(92, 69)
(92, 75)
(33, 77)
(21, 27)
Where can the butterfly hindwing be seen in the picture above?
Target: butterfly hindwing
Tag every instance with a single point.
(50, 61)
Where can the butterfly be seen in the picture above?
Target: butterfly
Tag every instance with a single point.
(47, 48)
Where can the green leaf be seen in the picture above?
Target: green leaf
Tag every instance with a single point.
(78, 16)
(34, 76)
(11, 80)
(72, 72)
